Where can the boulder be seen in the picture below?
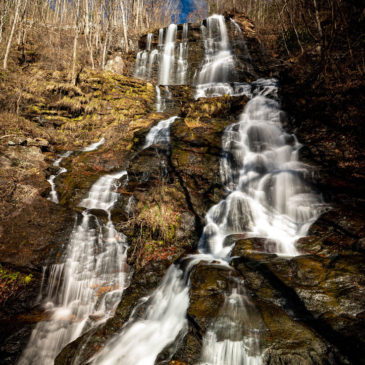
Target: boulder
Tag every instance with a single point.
(116, 65)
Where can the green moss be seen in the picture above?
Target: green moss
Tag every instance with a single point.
(12, 277)
(28, 279)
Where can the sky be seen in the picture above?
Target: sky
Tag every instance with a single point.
(187, 7)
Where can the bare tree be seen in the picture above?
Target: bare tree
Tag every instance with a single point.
(77, 29)
(15, 21)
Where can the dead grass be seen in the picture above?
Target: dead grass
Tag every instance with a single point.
(64, 89)
(71, 105)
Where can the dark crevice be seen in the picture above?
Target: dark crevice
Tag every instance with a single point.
(198, 222)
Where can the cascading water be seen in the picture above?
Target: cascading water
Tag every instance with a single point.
(160, 101)
(168, 56)
(86, 287)
(160, 37)
(218, 68)
(182, 62)
(140, 70)
(241, 45)
(267, 196)
(149, 41)
(234, 338)
(94, 146)
(144, 338)
(53, 194)
(268, 193)
(160, 133)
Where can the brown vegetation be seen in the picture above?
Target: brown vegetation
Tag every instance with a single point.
(69, 35)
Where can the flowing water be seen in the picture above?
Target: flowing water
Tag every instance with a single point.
(94, 146)
(234, 338)
(160, 133)
(160, 100)
(267, 196)
(170, 57)
(143, 338)
(85, 288)
(53, 196)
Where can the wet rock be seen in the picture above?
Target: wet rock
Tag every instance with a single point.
(208, 285)
(336, 231)
(360, 245)
(322, 294)
(286, 341)
(195, 160)
(247, 246)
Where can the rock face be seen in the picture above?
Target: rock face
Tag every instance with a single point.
(116, 65)
(308, 309)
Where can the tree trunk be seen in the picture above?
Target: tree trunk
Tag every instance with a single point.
(317, 18)
(104, 50)
(74, 58)
(16, 16)
(281, 21)
(125, 26)
(87, 28)
(293, 25)
(2, 20)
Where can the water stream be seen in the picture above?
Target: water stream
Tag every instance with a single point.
(85, 288)
(235, 336)
(160, 133)
(53, 196)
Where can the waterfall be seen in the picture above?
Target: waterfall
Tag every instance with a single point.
(144, 338)
(267, 196)
(151, 62)
(160, 37)
(168, 56)
(160, 134)
(264, 178)
(160, 102)
(228, 341)
(218, 68)
(182, 63)
(94, 146)
(53, 196)
(149, 41)
(84, 290)
(159, 107)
